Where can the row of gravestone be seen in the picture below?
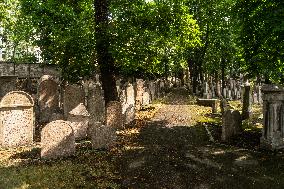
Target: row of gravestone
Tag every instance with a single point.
(131, 95)
(233, 90)
(17, 123)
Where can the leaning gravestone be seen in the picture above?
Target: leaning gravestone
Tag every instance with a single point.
(231, 124)
(114, 117)
(73, 95)
(16, 119)
(102, 136)
(57, 140)
(48, 97)
(79, 119)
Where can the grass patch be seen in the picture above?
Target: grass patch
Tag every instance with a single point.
(87, 169)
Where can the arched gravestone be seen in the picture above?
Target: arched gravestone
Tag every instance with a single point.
(16, 119)
(48, 97)
(57, 140)
(73, 96)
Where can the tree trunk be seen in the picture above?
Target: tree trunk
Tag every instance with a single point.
(104, 58)
(223, 76)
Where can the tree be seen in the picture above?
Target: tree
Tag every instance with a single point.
(261, 31)
(216, 55)
(105, 59)
(151, 38)
(64, 31)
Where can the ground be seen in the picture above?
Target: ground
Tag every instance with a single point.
(173, 143)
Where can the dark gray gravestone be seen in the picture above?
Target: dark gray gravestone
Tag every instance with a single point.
(231, 124)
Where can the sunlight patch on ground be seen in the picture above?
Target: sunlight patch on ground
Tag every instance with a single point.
(128, 132)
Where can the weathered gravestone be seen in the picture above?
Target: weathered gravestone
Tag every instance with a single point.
(231, 124)
(7, 84)
(79, 120)
(139, 93)
(273, 117)
(114, 116)
(16, 119)
(122, 100)
(96, 103)
(102, 136)
(247, 98)
(205, 91)
(57, 140)
(152, 88)
(130, 99)
(146, 97)
(48, 97)
(73, 95)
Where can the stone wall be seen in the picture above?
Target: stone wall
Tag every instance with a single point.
(23, 70)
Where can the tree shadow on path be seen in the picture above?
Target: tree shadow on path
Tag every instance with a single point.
(183, 157)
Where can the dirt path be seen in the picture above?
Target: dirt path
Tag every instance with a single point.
(173, 144)
(172, 150)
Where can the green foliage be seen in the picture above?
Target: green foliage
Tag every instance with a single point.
(261, 37)
(217, 27)
(64, 31)
(148, 35)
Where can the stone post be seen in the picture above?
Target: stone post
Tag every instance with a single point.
(273, 117)
(246, 110)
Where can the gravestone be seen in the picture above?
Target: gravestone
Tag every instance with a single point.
(96, 103)
(48, 97)
(79, 119)
(130, 99)
(246, 109)
(73, 95)
(123, 100)
(57, 140)
(102, 136)
(259, 95)
(152, 89)
(139, 93)
(114, 116)
(231, 124)
(16, 119)
(146, 97)
(230, 94)
(7, 84)
(205, 91)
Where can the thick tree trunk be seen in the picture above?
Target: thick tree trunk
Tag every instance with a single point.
(104, 58)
